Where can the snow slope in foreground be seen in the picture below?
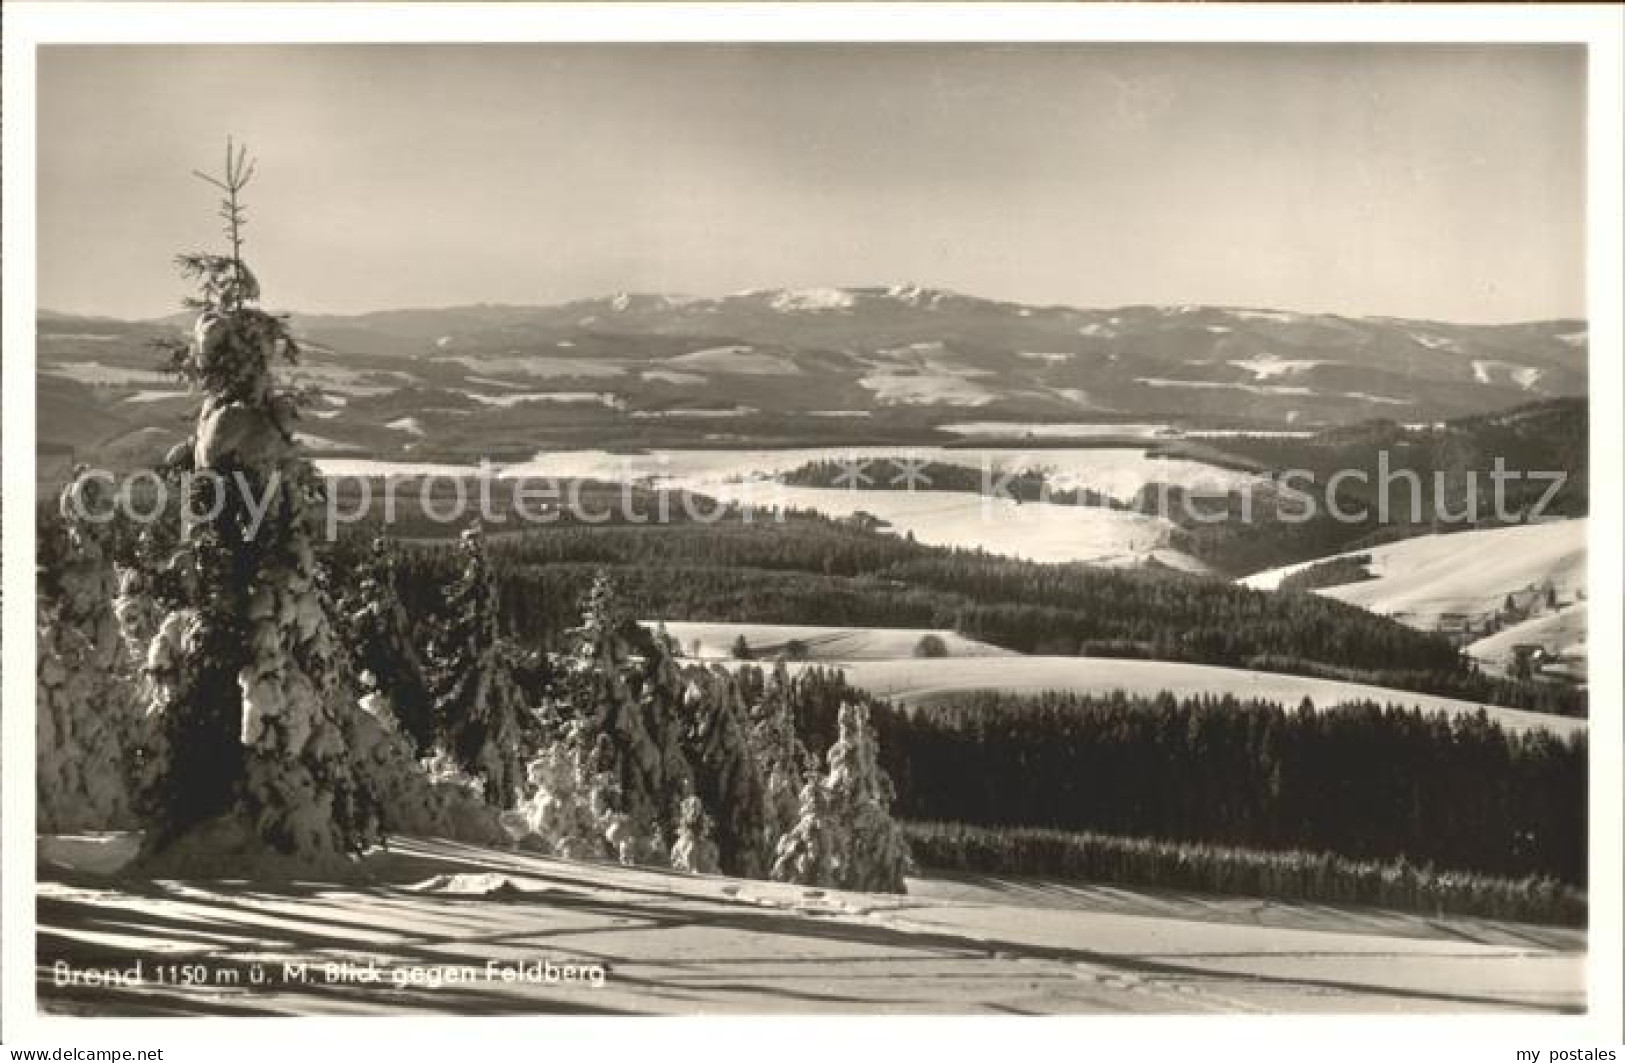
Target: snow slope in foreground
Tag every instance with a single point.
(673, 943)
(766, 641)
(915, 682)
(1470, 572)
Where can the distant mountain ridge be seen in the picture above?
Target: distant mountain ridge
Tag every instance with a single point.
(904, 355)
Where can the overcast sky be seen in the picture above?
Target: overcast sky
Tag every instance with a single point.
(1410, 181)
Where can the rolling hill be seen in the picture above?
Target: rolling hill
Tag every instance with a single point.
(1470, 574)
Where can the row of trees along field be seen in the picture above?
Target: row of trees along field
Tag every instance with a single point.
(224, 687)
(1364, 781)
(809, 570)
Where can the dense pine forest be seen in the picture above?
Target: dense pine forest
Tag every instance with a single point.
(812, 570)
(1351, 803)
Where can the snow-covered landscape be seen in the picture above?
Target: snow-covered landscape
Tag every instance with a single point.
(557, 562)
(453, 929)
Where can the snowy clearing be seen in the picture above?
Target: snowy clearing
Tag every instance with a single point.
(919, 387)
(438, 923)
(667, 376)
(1269, 366)
(543, 366)
(698, 413)
(740, 360)
(922, 682)
(157, 396)
(97, 373)
(1215, 385)
(1119, 471)
(316, 442)
(1034, 531)
(579, 398)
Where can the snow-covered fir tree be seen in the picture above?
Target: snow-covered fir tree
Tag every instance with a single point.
(480, 714)
(694, 851)
(782, 759)
(808, 853)
(846, 836)
(662, 693)
(379, 635)
(249, 755)
(434, 797)
(136, 602)
(566, 810)
(873, 854)
(89, 714)
(604, 684)
(727, 775)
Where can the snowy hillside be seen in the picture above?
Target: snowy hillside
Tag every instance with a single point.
(1418, 581)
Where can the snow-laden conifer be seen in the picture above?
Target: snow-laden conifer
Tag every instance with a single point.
(249, 758)
(386, 658)
(567, 810)
(88, 714)
(603, 685)
(781, 758)
(481, 718)
(727, 775)
(694, 851)
(871, 852)
(845, 836)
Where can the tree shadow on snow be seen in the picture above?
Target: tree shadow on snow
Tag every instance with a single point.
(811, 958)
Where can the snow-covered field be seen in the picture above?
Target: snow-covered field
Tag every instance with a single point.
(1060, 430)
(1120, 471)
(444, 928)
(921, 682)
(158, 395)
(705, 639)
(1034, 531)
(743, 360)
(1471, 573)
(540, 366)
(925, 387)
(96, 373)
(596, 398)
